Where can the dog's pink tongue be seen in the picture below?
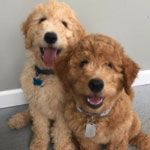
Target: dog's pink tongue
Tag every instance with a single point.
(95, 100)
(49, 56)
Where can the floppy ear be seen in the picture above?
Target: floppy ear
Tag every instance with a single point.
(25, 28)
(130, 70)
(62, 69)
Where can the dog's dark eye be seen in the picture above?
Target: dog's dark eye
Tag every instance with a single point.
(109, 64)
(65, 24)
(83, 62)
(42, 19)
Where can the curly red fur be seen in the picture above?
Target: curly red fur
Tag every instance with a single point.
(121, 125)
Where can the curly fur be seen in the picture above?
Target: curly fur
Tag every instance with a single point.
(105, 60)
(46, 102)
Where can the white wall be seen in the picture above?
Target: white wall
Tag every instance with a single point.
(12, 52)
(126, 20)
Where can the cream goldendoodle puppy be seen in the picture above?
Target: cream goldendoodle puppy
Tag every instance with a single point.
(98, 75)
(48, 30)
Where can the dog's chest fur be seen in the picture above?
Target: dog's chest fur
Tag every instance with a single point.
(108, 128)
(41, 97)
(77, 123)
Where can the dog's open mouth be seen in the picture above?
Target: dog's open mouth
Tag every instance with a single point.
(94, 101)
(49, 54)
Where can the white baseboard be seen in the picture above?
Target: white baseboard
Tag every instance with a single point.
(143, 78)
(15, 97)
(12, 98)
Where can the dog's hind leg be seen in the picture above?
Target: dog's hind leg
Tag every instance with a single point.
(141, 141)
(19, 120)
(61, 135)
(137, 137)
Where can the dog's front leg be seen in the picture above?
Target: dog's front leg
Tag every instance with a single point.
(88, 144)
(61, 135)
(119, 145)
(40, 128)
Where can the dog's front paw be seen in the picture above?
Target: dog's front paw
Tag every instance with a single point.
(38, 144)
(65, 147)
(71, 147)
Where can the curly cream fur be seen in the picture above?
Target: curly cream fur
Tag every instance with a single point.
(19, 120)
(46, 102)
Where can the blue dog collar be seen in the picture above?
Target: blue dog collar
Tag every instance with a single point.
(36, 80)
(43, 71)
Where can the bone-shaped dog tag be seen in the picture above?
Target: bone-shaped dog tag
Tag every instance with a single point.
(90, 130)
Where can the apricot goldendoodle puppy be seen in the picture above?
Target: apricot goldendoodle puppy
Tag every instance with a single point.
(97, 76)
(48, 30)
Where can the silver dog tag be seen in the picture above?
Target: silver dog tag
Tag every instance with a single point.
(90, 130)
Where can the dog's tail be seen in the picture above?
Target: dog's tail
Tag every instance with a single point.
(19, 120)
(141, 141)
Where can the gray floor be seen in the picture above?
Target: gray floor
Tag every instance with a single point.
(20, 139)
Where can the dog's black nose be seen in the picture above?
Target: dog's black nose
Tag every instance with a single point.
(96, 85)
(50, 37)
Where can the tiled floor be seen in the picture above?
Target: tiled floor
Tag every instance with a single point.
(20, 139)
